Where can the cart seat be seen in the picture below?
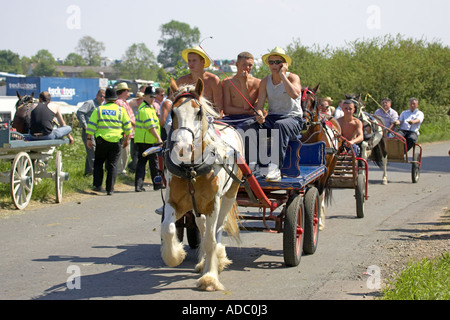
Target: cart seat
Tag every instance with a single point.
(299, 155)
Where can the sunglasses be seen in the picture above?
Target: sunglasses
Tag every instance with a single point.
(277, 62)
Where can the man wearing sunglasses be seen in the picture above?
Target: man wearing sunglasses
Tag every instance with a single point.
(282, 90)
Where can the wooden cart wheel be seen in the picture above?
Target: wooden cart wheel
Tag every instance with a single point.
(360, 195)
(293, 233)
(22, 180)
(58, 177)
(415, 170)
(312, 214)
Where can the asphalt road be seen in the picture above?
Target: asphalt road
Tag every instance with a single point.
(112, 243)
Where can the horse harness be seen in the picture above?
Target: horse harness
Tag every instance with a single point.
(324, 123)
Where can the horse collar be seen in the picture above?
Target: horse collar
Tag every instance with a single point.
(189, 171)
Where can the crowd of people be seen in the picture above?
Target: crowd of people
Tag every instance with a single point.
(117, 130)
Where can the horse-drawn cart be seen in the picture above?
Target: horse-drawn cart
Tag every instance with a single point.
(299, 218)
(352, 172)
(398, 152)
(29, 161)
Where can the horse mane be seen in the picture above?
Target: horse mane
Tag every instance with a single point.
(205, 103)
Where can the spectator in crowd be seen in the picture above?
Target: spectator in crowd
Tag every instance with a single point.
(123, 93)
(83, 115)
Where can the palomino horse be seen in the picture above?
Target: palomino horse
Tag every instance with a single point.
(202, 177)
(374, 145)
(22, 118)
(321, 129)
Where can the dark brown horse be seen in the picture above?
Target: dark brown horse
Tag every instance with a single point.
(326, 129)
(21, 121)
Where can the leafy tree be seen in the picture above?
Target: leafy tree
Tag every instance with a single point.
(45, 64)
(10, 62)
(91, 50)
(175, 37)
(138, 63)
(89, 74)
(388, 66)
(74, 59)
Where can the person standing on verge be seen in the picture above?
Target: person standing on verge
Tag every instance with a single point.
(123, 93)
(110, 124)
(83, 115)
(147, 135)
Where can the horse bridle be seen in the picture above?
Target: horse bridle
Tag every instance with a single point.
(305, 92)
(188, 171)
(24, 102)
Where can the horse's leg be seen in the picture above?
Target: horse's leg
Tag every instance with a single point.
(385, 161)
(226, 207)
(172, 251)
(224, 262)
(210, 279)
(201, 224)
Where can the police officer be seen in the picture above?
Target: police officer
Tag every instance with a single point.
(109, 123)
(147, 135)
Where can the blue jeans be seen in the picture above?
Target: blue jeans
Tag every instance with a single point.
(58, 133)
(288, 128)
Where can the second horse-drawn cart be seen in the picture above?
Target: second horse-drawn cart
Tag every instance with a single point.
(29, 163)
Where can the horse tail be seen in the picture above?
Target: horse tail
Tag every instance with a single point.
(232, 223)
(328, 193)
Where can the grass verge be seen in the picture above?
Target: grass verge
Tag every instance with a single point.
(422, 280)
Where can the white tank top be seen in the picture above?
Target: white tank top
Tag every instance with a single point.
(280, 101)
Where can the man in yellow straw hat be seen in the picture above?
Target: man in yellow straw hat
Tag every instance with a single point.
(282, 90)
(198, 61)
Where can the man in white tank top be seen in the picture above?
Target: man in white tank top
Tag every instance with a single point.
(282, 90)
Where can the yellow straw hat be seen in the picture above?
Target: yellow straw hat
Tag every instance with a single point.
(277, 52)
(198, 51)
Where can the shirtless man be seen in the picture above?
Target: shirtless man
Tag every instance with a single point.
(248, 85)
(352, 128)
(198, 61)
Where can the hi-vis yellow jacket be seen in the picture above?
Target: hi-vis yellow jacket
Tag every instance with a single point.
(110, 122)
(146, 119)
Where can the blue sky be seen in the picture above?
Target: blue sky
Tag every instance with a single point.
(235, 25)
